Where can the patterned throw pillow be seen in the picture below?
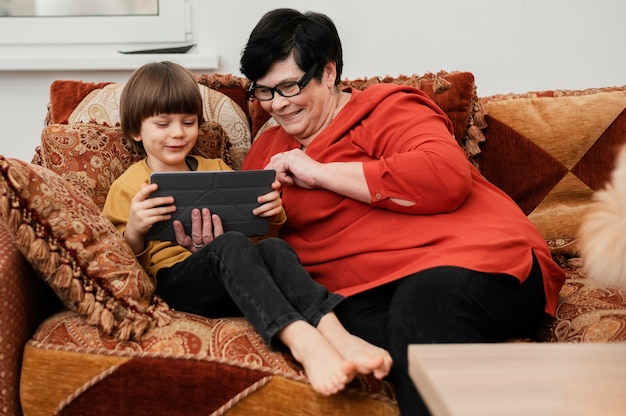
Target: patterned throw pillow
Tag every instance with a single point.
(91, 156)
(77, 251)
(220, 109)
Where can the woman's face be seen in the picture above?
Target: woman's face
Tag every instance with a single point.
(305, 115)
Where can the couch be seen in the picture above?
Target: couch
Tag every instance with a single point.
(81, 331)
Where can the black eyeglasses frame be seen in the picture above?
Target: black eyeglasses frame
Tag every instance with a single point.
(301, 83)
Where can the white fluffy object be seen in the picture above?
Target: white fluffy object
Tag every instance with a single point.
(603, 230)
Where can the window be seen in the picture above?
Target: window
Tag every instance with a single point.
(172, 24)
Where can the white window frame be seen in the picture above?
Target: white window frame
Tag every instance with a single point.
(171, 25)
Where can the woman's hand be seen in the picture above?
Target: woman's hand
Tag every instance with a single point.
(271, 204)
(144, 213)
(205, 227)
(295, 167)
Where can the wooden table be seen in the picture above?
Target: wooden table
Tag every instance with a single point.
(533, 379)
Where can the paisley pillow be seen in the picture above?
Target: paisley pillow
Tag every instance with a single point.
(91, 156)
(77, 251)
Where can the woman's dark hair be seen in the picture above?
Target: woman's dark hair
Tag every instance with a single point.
(158, 88)
(311, 37)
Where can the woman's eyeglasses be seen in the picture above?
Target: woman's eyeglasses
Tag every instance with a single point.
(285, 89)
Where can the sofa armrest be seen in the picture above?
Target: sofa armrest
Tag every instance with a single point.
(26, 301)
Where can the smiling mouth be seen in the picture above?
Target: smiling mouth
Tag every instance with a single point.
(290, 115)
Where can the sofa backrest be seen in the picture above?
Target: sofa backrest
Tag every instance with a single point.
(82, 140)
(548, 150)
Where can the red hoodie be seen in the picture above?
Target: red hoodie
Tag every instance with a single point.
(408, 152)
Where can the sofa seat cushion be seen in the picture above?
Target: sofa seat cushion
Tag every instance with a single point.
(194, 365)
(589, 310)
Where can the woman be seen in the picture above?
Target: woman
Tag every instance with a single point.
(384, 207)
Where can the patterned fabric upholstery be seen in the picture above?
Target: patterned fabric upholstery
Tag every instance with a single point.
(91, 156)
(541, 148)
(25, 302)
(587, 311)
(192, 366)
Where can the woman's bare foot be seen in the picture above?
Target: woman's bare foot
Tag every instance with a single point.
(367, 357)
(327, 370)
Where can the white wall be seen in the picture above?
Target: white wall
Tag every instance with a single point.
(510, 46)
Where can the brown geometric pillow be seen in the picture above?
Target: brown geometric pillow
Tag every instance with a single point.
(551, 150)
(91, 156)
(77, 251)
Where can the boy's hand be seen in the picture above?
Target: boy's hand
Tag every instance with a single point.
(271, 202)
(144, 213)
(205, 227)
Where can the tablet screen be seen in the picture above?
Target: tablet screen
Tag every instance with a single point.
(230, 194)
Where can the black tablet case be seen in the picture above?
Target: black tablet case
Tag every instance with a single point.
(230, 194)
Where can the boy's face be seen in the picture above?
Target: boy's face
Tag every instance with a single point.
(168, 139)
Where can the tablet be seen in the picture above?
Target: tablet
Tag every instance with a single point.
(230, 194)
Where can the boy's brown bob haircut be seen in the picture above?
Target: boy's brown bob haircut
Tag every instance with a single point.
(158, 88)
